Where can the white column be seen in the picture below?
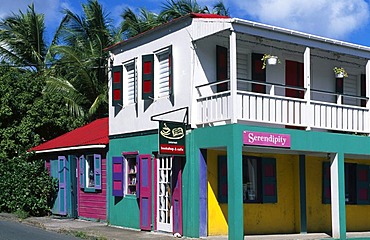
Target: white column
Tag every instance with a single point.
(308, 114)
(367, 119)
(233, 78)
(338, 205)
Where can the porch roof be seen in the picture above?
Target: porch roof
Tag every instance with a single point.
(92, 135)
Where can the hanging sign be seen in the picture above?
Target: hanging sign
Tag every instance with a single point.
(266, 139)
(171, 138)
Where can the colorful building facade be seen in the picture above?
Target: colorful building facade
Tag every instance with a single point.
(78, 160)
(268, 149)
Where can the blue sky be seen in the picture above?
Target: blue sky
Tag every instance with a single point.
(346, 20)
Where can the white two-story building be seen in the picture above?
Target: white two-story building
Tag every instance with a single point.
(280, 148)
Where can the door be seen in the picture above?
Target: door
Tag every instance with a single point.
(169, 194)
(164, 191)
(145, 186)
(62, 193)
(294, 78)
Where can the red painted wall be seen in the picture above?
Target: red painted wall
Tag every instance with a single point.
(94, 204)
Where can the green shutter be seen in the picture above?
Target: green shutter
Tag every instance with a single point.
(362, 183)
(148, 77)
(269, 188)
(222, 179)
(326, 191)
(117, 86)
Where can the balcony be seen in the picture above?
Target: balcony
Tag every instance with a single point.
(339, 112)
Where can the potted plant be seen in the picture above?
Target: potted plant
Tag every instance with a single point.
(340, 72)
(270, 60)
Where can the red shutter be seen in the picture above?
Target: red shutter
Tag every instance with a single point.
(258, 74)
(117, 95)
(148, 77)
(221, 67)
(294, 78)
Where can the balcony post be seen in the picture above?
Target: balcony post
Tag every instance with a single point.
(307, 85)
(367, 121)
(233, 79)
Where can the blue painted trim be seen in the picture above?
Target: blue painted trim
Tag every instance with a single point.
(302, 192)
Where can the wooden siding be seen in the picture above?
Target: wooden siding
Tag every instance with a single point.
(93, 205)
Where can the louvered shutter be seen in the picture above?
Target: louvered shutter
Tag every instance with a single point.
(165, 73)
(131, 82)
(363, 90)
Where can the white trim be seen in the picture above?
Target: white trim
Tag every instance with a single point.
(70, 148)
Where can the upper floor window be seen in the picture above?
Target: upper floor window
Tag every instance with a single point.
(157, 70)
(130, 83)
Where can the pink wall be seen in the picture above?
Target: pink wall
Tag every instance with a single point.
(94, 204)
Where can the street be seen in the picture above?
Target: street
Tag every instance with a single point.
(10, 230)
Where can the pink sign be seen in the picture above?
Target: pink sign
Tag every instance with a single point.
(266, 139)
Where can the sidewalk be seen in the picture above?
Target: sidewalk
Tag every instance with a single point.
(101, 231)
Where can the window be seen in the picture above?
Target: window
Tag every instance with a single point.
(125, 174)
(90, 172)
(131, 174)
(157, 74)
(163, 88)
(357, 182)
(130, 82)
(259, 180)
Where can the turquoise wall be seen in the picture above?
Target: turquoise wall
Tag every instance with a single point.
(125, 211)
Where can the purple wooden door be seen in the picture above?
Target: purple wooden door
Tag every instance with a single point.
(62, 194)
(177, 194)
(145, 183)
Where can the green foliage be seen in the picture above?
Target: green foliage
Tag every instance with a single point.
(28, 117)
(25, 186)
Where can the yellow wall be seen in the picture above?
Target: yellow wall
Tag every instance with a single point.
(259, 218)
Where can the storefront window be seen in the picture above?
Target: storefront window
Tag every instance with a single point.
(250, 179)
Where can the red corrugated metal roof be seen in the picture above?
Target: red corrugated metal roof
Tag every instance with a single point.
(94, 133)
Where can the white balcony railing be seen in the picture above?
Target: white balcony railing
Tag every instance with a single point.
(273, 107)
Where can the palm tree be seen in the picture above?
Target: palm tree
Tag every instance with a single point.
(174, 9)
(220, 9)
(22, 40)
(79, 71)
(134, 24)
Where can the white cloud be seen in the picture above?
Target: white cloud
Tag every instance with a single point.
(329, 18)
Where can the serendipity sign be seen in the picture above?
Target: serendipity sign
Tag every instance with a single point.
(171, 138)
(266, 139)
